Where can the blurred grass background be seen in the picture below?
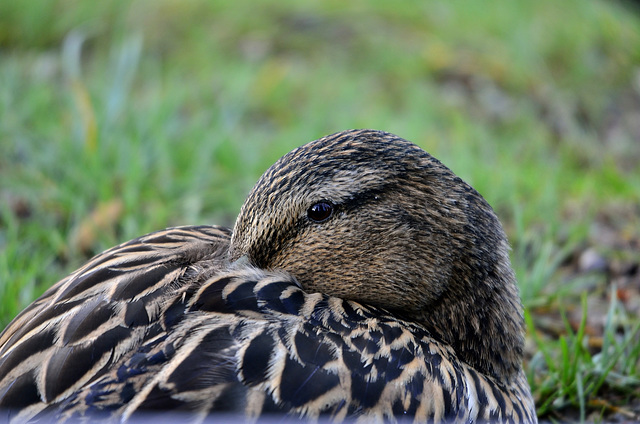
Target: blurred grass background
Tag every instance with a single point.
(123, 117)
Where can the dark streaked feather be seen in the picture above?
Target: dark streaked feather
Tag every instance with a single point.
(85, 323)
(253, 356)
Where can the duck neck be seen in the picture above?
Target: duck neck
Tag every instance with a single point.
(483, 322)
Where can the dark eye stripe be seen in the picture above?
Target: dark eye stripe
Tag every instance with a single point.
(320, 211)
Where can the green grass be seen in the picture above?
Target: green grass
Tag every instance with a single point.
(122, 118)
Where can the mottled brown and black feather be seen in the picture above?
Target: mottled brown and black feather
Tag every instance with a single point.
(85, 323)
(271, 347)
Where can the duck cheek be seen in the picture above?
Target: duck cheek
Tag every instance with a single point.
(321, 270)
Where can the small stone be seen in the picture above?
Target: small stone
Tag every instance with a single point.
(591, 261)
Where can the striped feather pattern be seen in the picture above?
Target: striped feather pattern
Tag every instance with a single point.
(87, 322)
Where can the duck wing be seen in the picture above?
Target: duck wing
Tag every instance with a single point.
(79, 328)
(252, 343)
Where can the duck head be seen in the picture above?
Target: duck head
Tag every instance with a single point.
(367, 216)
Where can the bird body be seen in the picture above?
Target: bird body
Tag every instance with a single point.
(362, 281)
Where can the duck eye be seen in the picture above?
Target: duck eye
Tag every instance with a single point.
(320, 211)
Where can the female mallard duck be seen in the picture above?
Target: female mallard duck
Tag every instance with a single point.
(363, 280)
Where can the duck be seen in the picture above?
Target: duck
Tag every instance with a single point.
(363, 281)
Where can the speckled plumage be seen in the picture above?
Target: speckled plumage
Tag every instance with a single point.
(401, 304)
